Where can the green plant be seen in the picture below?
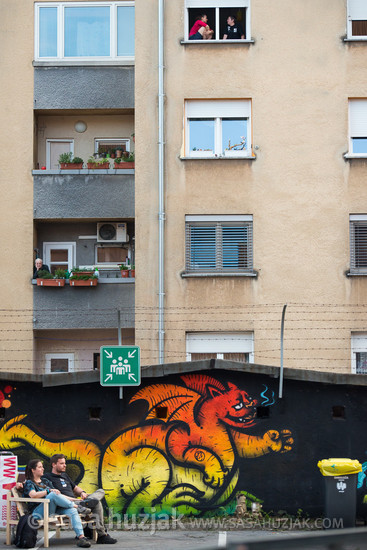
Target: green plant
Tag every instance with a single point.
(43, 274)
(65, 158)
(83, 277)
(128, 157)
(118, 160)
(123, 267)
(77, 160)
(97, 162)
(60, 273)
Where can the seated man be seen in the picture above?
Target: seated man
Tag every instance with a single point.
(39, 266)
(234, 30)
(67, 487)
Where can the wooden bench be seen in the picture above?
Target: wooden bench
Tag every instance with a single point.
(57, 521)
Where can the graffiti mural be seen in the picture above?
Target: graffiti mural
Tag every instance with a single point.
(184, 453)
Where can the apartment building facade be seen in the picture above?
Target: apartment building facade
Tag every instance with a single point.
(264, 200)
(249, 190)
(71, 90)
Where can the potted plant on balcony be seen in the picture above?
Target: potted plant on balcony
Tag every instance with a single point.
(47, 279)
(127, 160)
(83, 280)
(67, 162)
(82, 271)
(132, 271)
(124, 270)
(98, 164)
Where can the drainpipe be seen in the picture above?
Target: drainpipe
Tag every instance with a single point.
(161, 213)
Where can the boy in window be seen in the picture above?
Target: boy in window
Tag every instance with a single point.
(234, 30)
(200, 29)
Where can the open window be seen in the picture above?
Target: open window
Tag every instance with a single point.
(218, 12)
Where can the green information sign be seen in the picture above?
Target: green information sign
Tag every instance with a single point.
(120, 365)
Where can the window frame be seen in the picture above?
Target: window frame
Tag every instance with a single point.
(112, 141)
(354, 220)
(56, 355)
(216, 5)
(70, 246)
(358, 345)
(220, 221)
(218, 109)
(357, 124)
(227, 342)
(113, 4)
(353, 10)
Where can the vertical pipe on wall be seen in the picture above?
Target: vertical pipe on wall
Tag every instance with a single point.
(281, 352)
(161, 213)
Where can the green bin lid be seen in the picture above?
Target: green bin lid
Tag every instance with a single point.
(339, 466)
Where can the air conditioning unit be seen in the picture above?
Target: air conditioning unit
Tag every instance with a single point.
(112, 232)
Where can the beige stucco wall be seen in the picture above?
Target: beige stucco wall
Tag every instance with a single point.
(299, 75)
(16, 205)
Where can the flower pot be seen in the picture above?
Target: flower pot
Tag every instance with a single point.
(124, 273)
(80, 282)
(132, 273)
(50, 282)
(124, 165)
(70, 166)
(118, 153)
(93, 166)
(88, 272)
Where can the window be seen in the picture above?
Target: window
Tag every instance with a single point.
(359, 352)
(217, 128)
(111, 255)
(357, 19)
(110, 145)
(219, 244)
(59, 362)
(82, 31)
(59, 255)
(232, 346)
(218, 12)
(358, 127)
(358, 243)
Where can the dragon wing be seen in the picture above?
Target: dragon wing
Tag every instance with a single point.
(180, 401)
(200, 382)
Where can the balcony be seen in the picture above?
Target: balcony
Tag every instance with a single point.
(83, 194)
(85, 307)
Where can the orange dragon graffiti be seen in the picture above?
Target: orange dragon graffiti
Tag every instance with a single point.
(187, 461)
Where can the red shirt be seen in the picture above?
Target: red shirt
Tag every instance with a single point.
(196, 26)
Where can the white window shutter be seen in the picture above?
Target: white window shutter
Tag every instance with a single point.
(358, 117)
(357, 9)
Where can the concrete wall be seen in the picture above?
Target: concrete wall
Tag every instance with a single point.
(196, 457)
(84, 87)
(92, 195)
(299, 74)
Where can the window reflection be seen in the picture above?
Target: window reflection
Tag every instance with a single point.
(48, 32)
(87, 31)
(234, 134)
(202, 134)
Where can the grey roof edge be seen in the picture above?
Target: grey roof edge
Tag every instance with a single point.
(156, 371)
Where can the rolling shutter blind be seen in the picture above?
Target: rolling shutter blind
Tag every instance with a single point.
(358, 245)
(219, 246)
(358, 117)
(357, 9)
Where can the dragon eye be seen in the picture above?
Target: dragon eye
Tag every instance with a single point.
(238, 406)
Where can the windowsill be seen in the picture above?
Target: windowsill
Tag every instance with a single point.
(84, 62)
(356, 274)
(209, 42)
(186, 274)
(101, 281)
(355, 39)
(85, 172)
(218, 158)
(349, 156)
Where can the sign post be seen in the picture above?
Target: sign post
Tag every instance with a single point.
(120, 366)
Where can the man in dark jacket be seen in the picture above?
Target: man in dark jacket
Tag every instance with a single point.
(39, 266)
